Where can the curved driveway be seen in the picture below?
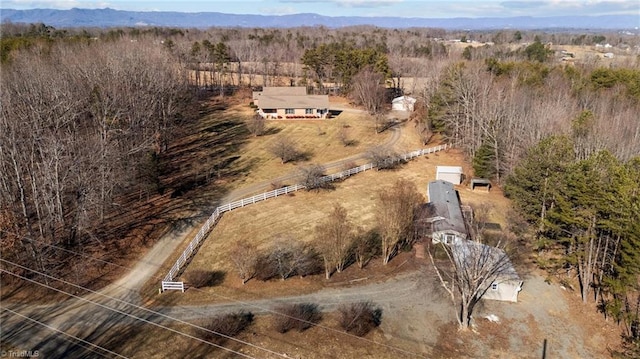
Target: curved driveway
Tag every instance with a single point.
(82, 317)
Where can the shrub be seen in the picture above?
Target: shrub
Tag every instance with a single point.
(383, 158)
(296, 316)
(359, 318)
(287, 258)
(202, 278)
(229, 325)
(265, 268)
(312, 177)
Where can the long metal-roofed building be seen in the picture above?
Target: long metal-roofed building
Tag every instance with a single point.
(444, 213)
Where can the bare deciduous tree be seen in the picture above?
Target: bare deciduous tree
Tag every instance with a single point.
(394, 214)
(359, 318)
(284, 149)
(300, 316)
(383, 157)
(244, 256)
(287, 258)
(334, 239)
(76, 127)
(312, 177)
(256, 125)
(468, 272)
(365, 247)
(368, 91)
(219, 328)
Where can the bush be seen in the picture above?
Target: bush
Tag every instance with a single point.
(296, 316)
(383, 158)
(203, 278)
(312, 177)
(265, 268)
(229, 325)
(359, 318)
(287, 258)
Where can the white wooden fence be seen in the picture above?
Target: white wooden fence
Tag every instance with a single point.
(215, 216)
(172, 286)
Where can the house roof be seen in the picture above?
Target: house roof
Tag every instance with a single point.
(404, 99)
(448, 169)
(475, 254)
(285, 91)
(444, 203)
(307, 101)
(280, 91)
(289, 97)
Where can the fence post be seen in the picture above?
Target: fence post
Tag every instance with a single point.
(212, 220)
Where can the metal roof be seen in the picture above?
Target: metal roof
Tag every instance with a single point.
(444, 202)
(289, 97)
(474, 254)
(404, 99)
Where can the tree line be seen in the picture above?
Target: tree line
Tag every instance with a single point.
(82, 126)
(565, 143)
(86, 113)
(586, 216)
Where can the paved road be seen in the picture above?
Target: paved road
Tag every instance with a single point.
(94, 317)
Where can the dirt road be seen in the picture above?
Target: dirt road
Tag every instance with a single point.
(89, 316)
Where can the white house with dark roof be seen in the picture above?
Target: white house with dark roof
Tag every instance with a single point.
(290, 103)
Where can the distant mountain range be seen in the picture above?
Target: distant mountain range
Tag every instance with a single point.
(112, 18)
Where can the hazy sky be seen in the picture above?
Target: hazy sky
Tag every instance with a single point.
(403, 8)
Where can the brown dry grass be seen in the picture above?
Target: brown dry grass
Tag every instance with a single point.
(296, 216)
(316, 342)
(318, 140)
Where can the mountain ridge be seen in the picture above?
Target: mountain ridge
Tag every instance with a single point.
(107, 17)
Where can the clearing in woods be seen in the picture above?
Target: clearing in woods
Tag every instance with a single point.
(422, 322)
(417, 317)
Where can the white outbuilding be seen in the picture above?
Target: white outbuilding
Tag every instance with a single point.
(451, 174)
(403, 103)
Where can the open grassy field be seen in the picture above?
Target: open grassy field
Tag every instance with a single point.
(418, 320)
(317, 140)
(295, 217)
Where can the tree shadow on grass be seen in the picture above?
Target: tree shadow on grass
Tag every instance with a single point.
(272, 131)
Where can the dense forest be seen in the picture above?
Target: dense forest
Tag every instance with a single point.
(87, 114)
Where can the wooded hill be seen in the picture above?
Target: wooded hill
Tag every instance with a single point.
(87, 116)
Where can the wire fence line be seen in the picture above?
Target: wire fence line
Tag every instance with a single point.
(187, 254)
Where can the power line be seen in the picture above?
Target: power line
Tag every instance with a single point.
(67, 334)
(145, 309)
(127, 314)
(317, 325)
(271, 311)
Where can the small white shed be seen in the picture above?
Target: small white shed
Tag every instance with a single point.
(451, 174)
(403, 103)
